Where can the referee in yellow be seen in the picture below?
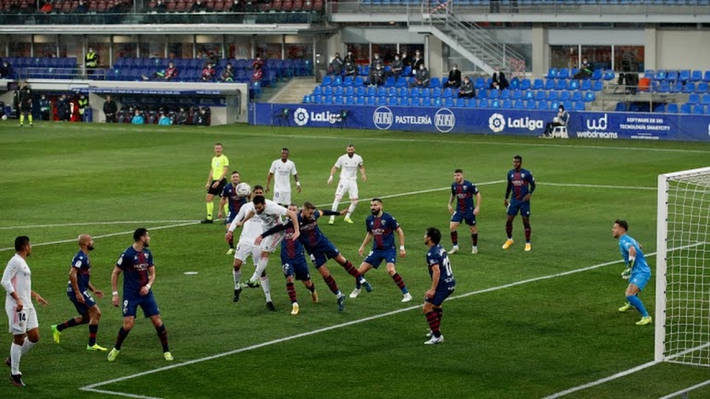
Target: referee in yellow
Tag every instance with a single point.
(216, 180)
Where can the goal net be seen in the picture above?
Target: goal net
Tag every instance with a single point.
(683, 268)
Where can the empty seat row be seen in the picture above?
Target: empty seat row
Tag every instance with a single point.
(564, 73)
(444, 102)
(685, 75)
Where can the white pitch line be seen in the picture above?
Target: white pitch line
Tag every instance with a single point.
(41, 226)
(104, 235)
(603, 380)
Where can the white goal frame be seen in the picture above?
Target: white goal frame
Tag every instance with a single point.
(661, 263)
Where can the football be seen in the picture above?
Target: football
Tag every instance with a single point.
(4, 117)
(243, 189)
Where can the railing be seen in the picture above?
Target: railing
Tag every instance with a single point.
(473, 37)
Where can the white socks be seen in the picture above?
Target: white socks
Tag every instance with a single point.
(237, 276)
(266, 287)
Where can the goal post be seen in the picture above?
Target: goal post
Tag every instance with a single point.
(682, 325)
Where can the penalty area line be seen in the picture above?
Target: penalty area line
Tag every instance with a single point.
(41, 226)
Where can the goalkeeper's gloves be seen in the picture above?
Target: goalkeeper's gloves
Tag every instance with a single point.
(626, 273)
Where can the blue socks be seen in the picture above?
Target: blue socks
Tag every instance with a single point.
(636, 302)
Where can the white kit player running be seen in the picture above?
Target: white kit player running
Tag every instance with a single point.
(281, 171)
(348, 164)
(269, 215)
(251, 229)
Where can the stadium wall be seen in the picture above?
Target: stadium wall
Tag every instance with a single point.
(597, 125)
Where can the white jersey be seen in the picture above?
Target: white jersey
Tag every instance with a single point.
(252, 228)
(271, 216)
(282, 174)
(17, 279)
(348, 166)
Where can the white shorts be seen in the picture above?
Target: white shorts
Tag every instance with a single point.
(282, 197)
(270, 243)
(244, 250)
(347, 186)
(23, 321)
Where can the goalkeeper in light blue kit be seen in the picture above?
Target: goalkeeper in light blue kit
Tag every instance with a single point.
(637, 270)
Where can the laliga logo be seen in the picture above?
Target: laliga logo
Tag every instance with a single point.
(444, 120)
(598, 124)
(382, 118)
(300, 117)
(496, 123)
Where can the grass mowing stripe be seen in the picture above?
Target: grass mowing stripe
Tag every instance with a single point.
(40, 226)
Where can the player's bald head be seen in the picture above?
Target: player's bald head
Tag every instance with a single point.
(84, 239)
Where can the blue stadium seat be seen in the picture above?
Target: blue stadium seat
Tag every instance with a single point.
(650, 73)
(598, 86)
(561, 85)
(684, 75)
(361, 91)
(495, 103)
(371, 91)
(660, 74)
(563, 74)
(327, 80)
(589, 97)
(553, 95)
(541, 95)
(349, 91)
(672, 108)
(565, 95)
(699, 109)
(609, 75)
(507, 104)
(449, 102)
(459, 102)
(529, 95)
(348, 81)
(574, 84)
(403, 92)
(549, 85)
(538, 84)
(696, 76)
(686, 109)
(676, 86)
(568, 104)
(360, 100)
(541, 104)
(426, 92)
(483, 103)
(392, 92)
(579, 106)
(448, 92)
(525, 84)
(318, 99)
(514, 84)
(444, 81)
(705, 99)
(504, 94)
(554, 105)
(338, 91)
(435, 82)
(694, 98)
(493, 93)
(577, 96)
(370, 100)
(401, 82)
(516, 94)
(519, 104)
(392, 101)
(349, 100)
(531, 104)
(479, 83)
(672, 76)
(359, 81)
(621, 107)
(390, 82)
(597, 74)
(317, 91)
(701, 87)
(660, 108)
(689, 87)
(551, 73)
(586, 85)
(471, 103)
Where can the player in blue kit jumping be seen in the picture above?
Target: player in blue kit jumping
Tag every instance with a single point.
(463, 192)
(442, 284)
(137, 263)
(380, 229)
(79, 291)
(521, 184)
(637, 270)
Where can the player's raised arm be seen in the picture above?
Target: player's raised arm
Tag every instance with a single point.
(296, 229)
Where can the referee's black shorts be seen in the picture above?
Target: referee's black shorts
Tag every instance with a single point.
(217, 190)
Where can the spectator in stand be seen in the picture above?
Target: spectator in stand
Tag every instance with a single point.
(63, 108)
(138, 118)
(397, 66)
(82, 8)
(422, 77)
(377, 75)
(47, 7)
(257, 75)
(336, 66)
(376, 60)
(203, 119)
(454, 78)
(466, 90)
(166, 74)
(585, 72)
(5, 69)
(228, 73)
(406, 61)
(44, 108)
(499, 81)
(208, 72)
(258, 61)
(110, 110)
(560, 120)
(350, 67)
(237, 6)
(198, 6)
(160, 7)
(416, 62)
(182, 117)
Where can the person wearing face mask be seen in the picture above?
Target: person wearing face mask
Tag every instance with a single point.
(422, 77)
(79, 291)
(376, 60)
(349, 66)
(467, 90)
(454, 78)
(336, 66)
(397, 66)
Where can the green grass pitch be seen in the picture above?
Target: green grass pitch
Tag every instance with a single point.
(510, 331)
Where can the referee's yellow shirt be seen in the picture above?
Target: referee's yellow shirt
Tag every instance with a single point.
(218, 164)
